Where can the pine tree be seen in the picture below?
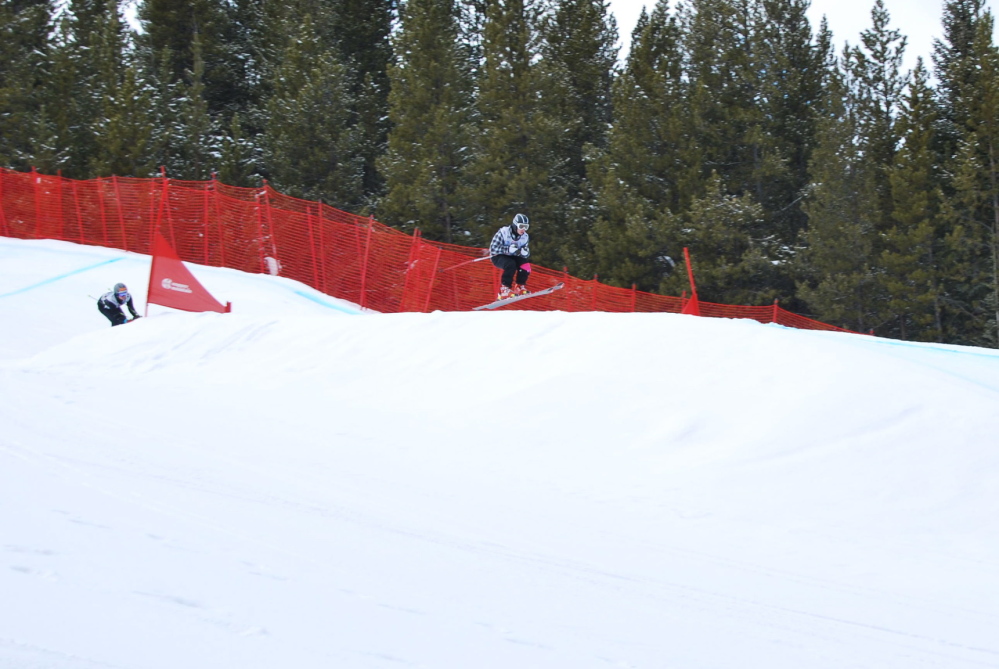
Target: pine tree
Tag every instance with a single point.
(169, 31)
(877, 71)
(793, 63)
(850, 202)
(578, 57)
(123, 135)
(731, 266)
(59, 121)
(362, 29)
(196, 143)
(838, 270)
(236, 163)
(310, 149)
(471, 31)
(88, 69)
(967, 67)
(430, 108)
(915, 247)
(975, 200)
(739, 68)
(510, 168)
(121, 130)
(25, 54)
(164, 112)
(719, 51)
(953, 58)
(646, 172)
(208, 63)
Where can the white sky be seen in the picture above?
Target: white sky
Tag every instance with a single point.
(919, 20)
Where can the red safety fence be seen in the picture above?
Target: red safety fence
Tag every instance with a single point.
(347, 256)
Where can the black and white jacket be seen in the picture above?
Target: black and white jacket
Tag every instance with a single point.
(507, 237)
(109, 302)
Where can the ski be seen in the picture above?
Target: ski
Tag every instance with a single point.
(518, 298)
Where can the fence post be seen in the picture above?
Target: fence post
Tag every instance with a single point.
(169, 216)
(79, 217)
(37, 189)
(121, 212)
(322, 248)
(411, 264)
(270, 227)
(62, 208)
(204, 225)
(157, 218)
(104, 217)
(364, 264)
(4, 229)
(260, 234)
(690, 274)
(216, 199)
(563, 295)
(693, 306)
(593, 293)
(433, 278)
(153, 212)
(312, 246)
(775, 318)
(634, 297)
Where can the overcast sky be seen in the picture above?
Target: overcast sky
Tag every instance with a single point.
(918, 20)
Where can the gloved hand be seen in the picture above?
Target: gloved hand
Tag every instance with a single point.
(513, 249)
(524, 252)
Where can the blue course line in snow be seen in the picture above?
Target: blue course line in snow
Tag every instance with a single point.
(352, 312)
(61, 276)
(931, 347)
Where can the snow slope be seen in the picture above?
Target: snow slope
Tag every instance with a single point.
(297, 484)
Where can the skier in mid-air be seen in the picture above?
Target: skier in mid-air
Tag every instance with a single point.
(112, 305)
(510, 253)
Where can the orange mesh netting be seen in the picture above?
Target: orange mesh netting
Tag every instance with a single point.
(347, 256)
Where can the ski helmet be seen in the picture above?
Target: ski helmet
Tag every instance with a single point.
(120, 290)
(520, 222)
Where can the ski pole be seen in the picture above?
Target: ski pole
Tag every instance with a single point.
(467, 262)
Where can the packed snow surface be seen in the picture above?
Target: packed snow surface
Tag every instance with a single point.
(299, 484)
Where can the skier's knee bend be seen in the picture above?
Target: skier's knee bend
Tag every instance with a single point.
(115, 316)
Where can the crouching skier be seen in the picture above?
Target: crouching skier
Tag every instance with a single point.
(510, 253)
(112, 305)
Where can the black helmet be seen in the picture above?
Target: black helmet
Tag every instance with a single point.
(520, 222)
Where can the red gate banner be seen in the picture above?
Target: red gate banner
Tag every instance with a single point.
(171, 284)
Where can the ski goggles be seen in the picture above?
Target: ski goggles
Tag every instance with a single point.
(523, 226)
(122, 294)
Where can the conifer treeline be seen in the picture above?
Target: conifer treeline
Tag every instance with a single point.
(848, 188)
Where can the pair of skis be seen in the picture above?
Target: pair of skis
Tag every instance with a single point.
(517, 298)
(506, 300)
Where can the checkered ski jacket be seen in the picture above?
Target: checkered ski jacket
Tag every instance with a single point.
(504, 238)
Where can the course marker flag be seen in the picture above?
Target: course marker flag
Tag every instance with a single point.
(172, 285)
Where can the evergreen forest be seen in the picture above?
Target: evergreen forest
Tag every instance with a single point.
(831, 179)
